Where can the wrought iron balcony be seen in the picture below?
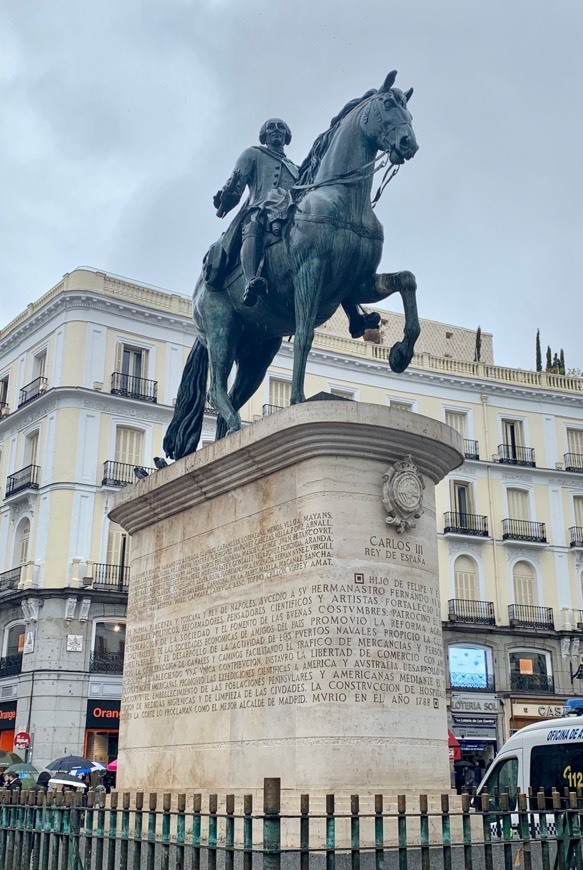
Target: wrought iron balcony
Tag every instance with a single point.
(524, 530)
(271, 409)
(106, 576)
(512, 454)
(106, 663)
(120, 473)
(472, 682)
(467, 610)
(134, 388)
(534, 683)
(576, 533)
(573, 461)
(9, 580)
(527, 616)
(32, 390)
(471, 449)
(26, 478)
(465, 524)
(10, 666)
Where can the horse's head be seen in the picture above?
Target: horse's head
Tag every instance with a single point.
(387, 121)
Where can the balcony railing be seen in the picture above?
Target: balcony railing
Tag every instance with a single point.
(524, 530)
(106, 663)
(271, 409)
(120, 473)
(573, 461)
(466, 610)
(9, 580)
(134, 388)
(471, 449)
(26, 478)
(107, 576)
(534, 683)
(576, 533)
(465, 524)
(512, 454)
(10, 666)
(472, 682)
(527, 616)
(32, 390)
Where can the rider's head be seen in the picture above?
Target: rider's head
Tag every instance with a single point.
(275, 132)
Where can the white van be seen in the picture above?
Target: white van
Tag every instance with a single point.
(542, 756)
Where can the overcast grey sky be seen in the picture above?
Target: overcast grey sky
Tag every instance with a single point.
(121, 119)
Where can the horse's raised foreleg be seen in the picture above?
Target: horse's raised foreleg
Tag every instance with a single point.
(307, 284)
(383, 286)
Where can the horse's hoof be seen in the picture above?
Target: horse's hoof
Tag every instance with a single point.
(398, 358)
(232, 431)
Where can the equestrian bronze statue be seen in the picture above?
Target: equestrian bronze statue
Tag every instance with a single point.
(305, 242)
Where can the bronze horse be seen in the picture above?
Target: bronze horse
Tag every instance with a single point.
(328, 255)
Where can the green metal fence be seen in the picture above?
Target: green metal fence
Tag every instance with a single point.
(173, 832)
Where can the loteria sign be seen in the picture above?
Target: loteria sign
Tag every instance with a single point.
(22, 740)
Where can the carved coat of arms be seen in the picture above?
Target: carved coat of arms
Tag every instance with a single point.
(403, 494)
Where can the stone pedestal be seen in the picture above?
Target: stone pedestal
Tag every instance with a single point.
(284, 612)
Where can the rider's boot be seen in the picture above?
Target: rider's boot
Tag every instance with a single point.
(359, 320)
(251, 250)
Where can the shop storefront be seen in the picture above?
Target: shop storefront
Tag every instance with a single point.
(7, 722)
(474, 722)
(526, 712)
(102, 730)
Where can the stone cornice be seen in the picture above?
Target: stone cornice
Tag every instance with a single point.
(86, 300)
(276, 442)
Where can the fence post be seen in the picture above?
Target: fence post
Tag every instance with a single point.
(524, 830)
(151, 844)
(379, 833)
(180, 831)
(467, 831)
(196, 825)
(125, 830)
(166, 804)
(138, 832)
(445, 832)
(248, 832)
(402, 830)
(354, 832)
(212, 832)
(305, 832)
(230, 832)
(271, 824)
(330, 833)
(544, 830)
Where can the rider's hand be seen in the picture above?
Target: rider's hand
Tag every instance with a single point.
(217, 199)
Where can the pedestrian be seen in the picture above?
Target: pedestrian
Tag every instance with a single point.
(42, 782)
(469, 778)
(12, 782)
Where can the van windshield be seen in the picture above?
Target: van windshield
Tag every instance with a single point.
(502, 779)
(556, 765)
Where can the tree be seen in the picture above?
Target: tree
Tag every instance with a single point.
(539, 358)
(562, 362)
(478, 350)
(549, 359)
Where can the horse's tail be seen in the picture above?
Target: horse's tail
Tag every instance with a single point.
(183, 433)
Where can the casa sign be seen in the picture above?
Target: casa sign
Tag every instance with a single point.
(537, 711)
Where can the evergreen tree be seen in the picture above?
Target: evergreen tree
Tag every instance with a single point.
(539, 358)
(549, 359)
(562, 362)
(478, 350)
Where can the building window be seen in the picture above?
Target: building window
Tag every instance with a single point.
(14, 640)
(131, 361)
(461, 497)
(400, 404)
(129, 446)
(466, 579)
(524, 582)
(4, 391)
(518, 504)
(575, 441)
(578, 510)
(342, 394)
(31, 449)
(470, 667)
(118, 546)
(457, 420)
(39, 365)
(279, 393)
(22, 542)
(530, 671)
(108, 647)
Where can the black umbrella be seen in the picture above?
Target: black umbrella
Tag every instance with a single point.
(7, 758)
(462, 763)
(69, 762)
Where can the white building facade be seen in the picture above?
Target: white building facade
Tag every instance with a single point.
(88, 375)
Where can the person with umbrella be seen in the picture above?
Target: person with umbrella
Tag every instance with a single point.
(42, 781)
(12, 782)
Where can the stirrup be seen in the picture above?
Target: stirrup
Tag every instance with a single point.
(256, 287)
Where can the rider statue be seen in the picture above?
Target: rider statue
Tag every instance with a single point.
(270, 176)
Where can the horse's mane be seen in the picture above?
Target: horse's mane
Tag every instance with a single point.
(310, 166)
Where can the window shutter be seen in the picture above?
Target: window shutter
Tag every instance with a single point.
(575, 441)
(524, 585)
(465, 579)
(518, 504)
(279, 393)
(129, 446)
(114, 539)
(578, 509)
(457, 421)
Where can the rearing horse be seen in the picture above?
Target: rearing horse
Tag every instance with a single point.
(328, 255)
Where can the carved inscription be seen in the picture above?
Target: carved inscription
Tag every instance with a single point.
(372, 638)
